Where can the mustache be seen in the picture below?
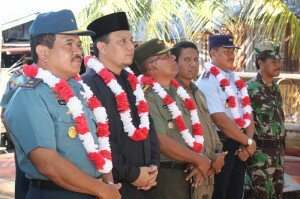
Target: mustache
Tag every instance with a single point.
(77, 57)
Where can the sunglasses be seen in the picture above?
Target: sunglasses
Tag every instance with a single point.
(164, 56)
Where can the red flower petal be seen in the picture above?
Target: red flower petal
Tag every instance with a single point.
(197, 129)
(240, 122)
(246, 101)
(106, 75)
(247, 116)
(179, 122)
(106, 154)
(142, 107)
(231, 101)
(175, 83)
(94, 103)
(168, 100)
(81, 124)
(103, 130)
(140, 134)
(63, 90)
(97, 159)
(197, 147)
(77, 77)
(133, 81)
(239, 84)
(214, 71)
(122, 102)
(224, 82)
(30, 70)
(189, 103)
(147, 80)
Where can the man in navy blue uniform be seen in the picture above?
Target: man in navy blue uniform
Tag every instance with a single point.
(236, 140)
(48, 147)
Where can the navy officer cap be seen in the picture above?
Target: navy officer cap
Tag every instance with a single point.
(108, 23)
(60, 22)
(225, 41)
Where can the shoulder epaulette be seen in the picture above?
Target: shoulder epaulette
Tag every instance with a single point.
(18, 72)
(205, 75)
(31, 83)
(146, 88)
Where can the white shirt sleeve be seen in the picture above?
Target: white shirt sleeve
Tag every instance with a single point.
(211, 91)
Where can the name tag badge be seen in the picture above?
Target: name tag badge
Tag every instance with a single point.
(164, 107)
(61, 102)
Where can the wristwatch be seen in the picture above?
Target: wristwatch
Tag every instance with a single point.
(249, 141)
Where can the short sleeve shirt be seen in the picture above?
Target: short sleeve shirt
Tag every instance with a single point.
(37, 118)
(216, 96)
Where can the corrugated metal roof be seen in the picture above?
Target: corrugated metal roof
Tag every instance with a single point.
(13, 22)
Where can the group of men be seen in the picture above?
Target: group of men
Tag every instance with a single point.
(110, 134)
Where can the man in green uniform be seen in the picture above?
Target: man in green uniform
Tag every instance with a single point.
(154, 59)
(267, 163)
(187, 58)
(48, 148)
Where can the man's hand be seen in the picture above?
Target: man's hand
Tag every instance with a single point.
(110, 191)
(251, 148)
(194, 176)
(203, 164)
(153, 171)
(243, 154)
(219, 163)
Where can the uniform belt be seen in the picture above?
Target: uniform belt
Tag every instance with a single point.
(173, 165)
(45, 184)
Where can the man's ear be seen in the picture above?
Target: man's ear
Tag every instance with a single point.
(260, 63)
(102, 47)
(42, 52)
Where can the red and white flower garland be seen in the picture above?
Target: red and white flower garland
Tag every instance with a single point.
(196, 142)
(242, 121)
(137, 134)
(100, 154)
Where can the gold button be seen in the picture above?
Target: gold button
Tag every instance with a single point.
(171, 125)
(72, 132)
(69, 112)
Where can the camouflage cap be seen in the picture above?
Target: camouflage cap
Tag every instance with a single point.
(149, 49)
(268, 50)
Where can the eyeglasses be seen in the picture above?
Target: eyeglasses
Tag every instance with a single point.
(164, 56)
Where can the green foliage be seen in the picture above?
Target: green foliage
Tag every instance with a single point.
(268, 19)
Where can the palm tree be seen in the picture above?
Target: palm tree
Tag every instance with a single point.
(173, 19)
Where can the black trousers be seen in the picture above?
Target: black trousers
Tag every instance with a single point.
(229, 183)
(37, 193)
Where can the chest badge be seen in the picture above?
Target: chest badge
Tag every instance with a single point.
(72, 132)
(69, 112)
(170, 125)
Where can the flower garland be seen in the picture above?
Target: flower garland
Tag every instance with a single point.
(196, 142)
(242, 121)
(137, 134)
(100, 154)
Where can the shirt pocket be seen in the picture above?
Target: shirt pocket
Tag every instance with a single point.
(67, 133)
(167, 117)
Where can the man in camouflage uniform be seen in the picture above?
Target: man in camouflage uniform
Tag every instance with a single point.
(266, 167)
